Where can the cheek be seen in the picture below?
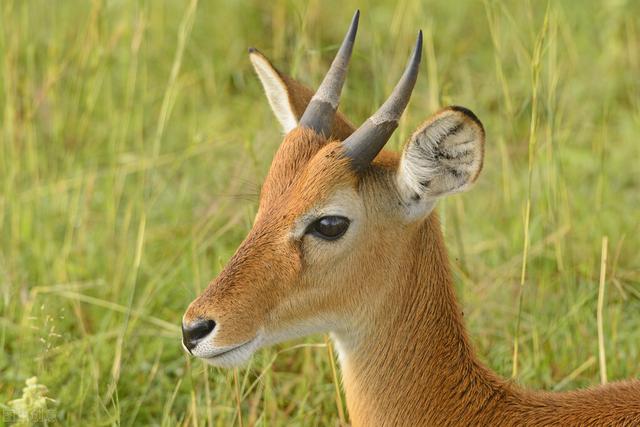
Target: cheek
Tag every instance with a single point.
(329, 287)
(355, 261)
(317, 256)
(330, 266)
(324, 257)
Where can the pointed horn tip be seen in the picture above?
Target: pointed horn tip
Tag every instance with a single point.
(416, 55)
(353, 28)
(419, 44)
(252, 50)
(320, 111)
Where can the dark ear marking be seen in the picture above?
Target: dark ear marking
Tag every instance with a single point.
(454, 130)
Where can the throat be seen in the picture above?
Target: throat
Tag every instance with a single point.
(408, 361)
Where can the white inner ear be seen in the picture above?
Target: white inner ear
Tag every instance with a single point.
(276, 92)
(444, 156)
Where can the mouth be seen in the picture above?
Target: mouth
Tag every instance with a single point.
(228, 356)
(228, 350)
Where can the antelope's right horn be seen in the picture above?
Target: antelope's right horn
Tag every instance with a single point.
(363, 145)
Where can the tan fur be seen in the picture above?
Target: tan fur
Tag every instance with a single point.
(384, 291)
(415, 365)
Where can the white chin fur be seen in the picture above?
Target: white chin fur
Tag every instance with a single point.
(228, 356)
(234, 358)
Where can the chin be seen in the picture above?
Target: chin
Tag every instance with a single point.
(232, 359)
(229, 357)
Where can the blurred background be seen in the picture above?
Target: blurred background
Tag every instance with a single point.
(134, 138)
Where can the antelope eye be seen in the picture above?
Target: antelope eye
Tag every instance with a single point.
(329, 227)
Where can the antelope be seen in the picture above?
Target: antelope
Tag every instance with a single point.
(346, 241)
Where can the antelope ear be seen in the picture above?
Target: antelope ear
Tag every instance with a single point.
(276, 90)
(289, 98)
(443, 156)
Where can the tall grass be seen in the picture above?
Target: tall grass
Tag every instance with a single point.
(134, 138)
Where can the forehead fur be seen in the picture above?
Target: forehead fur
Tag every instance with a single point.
(325, 173)
(306, 168)
(298, 147)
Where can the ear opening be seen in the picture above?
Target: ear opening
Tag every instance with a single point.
(442, 157)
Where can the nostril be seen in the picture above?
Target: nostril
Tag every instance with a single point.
(193, 332)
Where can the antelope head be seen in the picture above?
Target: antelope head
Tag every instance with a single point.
(335, 214)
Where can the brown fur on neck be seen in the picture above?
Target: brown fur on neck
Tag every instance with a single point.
(412, 362)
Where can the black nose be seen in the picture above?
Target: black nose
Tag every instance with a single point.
(195, 331)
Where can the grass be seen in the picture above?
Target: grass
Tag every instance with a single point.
(134, 138)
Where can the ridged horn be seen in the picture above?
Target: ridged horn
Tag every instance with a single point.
(365, 143)
(321, 110)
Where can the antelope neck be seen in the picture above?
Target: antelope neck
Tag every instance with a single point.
(408, 361)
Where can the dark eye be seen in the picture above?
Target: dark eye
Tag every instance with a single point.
(329, 227)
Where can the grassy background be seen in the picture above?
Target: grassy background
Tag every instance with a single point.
(134, 137)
